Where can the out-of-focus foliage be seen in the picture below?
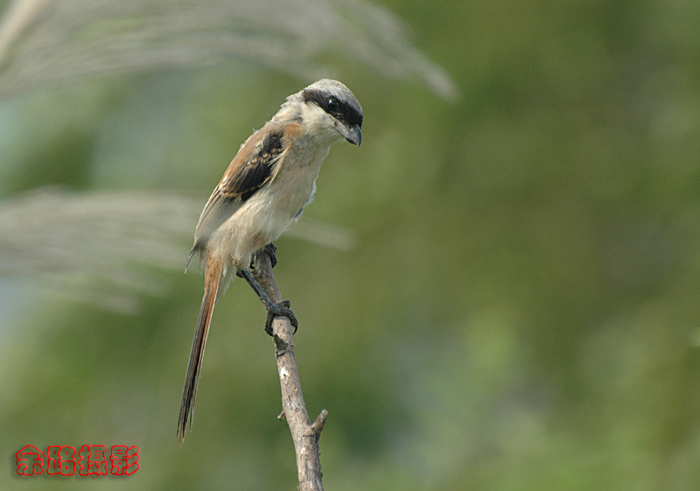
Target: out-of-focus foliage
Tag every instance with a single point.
(520, 310)
(44, 42)
(94, 246)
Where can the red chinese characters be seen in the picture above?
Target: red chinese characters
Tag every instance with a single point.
(30, 461)
(124, 460)
(61, 460)
(92, 460)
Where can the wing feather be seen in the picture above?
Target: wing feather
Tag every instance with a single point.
(252, 168)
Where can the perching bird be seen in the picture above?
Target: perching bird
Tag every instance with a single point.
(263, 191)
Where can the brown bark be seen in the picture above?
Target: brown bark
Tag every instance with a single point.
(304, 433)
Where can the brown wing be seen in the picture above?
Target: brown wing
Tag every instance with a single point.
(252, 168)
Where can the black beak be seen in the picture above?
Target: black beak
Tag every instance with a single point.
(353, 134)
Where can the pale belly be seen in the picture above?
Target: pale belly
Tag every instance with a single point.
(267, 214)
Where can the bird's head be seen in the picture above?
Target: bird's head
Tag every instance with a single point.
(329, 108)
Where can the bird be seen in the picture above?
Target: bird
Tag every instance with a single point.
(264, 190)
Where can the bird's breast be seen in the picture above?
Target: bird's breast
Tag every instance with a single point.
(295, 184)
(273, 208)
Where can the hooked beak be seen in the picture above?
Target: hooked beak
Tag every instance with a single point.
(352, 134)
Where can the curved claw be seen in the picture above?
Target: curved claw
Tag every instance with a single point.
(281, 309)
(271, 250)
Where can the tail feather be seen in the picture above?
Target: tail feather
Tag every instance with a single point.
(211, 287)
(195, 249)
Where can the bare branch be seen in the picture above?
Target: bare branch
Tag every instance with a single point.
(305, 434)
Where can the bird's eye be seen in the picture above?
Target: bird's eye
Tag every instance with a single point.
(332, 104)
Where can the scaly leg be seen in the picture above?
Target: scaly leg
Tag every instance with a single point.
(273, 309)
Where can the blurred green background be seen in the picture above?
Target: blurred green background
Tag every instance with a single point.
(514, 305)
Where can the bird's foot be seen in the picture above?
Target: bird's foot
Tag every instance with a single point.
(271, 250)
(281, 309)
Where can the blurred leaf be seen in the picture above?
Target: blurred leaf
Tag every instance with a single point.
(103, 247)
(45, 42)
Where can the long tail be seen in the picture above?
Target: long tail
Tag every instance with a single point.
(211, 287)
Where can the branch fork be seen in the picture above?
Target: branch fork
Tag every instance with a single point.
(305, 434)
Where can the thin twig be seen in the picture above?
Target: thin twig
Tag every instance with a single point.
(305, 434)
